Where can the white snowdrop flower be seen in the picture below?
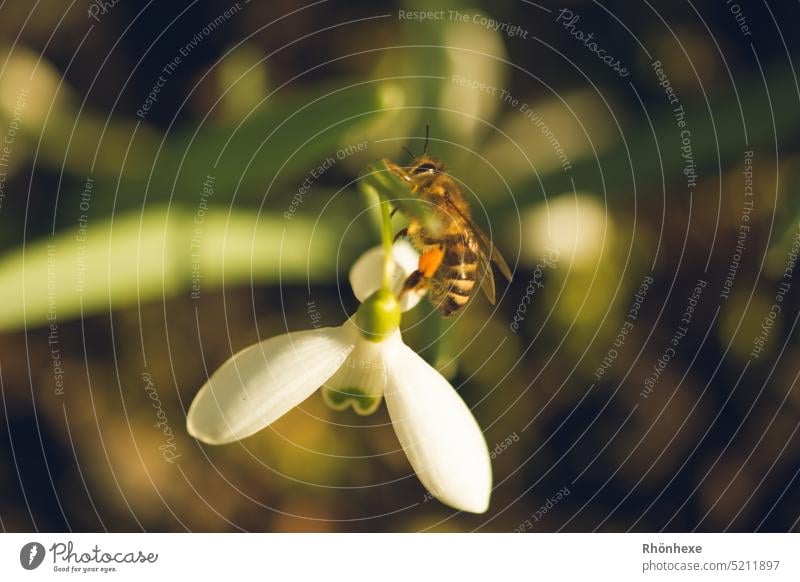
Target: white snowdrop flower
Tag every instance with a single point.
(365, 273)
(356, 365)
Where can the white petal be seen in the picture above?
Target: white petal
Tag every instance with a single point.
(264, 381)
(365, 274)
(361, 380)
(443, 441)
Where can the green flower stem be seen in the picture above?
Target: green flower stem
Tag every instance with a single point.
(379, 316)
(386, 236)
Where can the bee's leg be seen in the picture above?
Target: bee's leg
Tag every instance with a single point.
(429, 262)
(403, 232)
(415, 281)
(393, 212)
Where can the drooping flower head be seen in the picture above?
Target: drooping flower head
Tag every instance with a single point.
(356, 365)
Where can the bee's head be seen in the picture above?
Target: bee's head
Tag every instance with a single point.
(425, 165)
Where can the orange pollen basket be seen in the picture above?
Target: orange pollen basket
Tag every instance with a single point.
(429, 261)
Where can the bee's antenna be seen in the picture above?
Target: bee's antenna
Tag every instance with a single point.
(409, 152)
(427, 135)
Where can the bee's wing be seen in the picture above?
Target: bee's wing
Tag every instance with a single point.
(485, 276)
(492, 251)
(487, 254)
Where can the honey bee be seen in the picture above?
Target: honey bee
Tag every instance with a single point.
(456, 255)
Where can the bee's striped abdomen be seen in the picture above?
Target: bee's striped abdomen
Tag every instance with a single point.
(454, 282)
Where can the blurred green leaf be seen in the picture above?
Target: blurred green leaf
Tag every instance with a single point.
(158, 254)
(719, 143)
(275, 146)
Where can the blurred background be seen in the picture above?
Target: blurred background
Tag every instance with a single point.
(178, 180)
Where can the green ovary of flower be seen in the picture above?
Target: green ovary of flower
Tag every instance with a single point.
(379, 316)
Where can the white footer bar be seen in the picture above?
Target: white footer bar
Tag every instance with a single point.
(389, 557)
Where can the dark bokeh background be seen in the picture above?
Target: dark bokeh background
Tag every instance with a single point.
(267, 95)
